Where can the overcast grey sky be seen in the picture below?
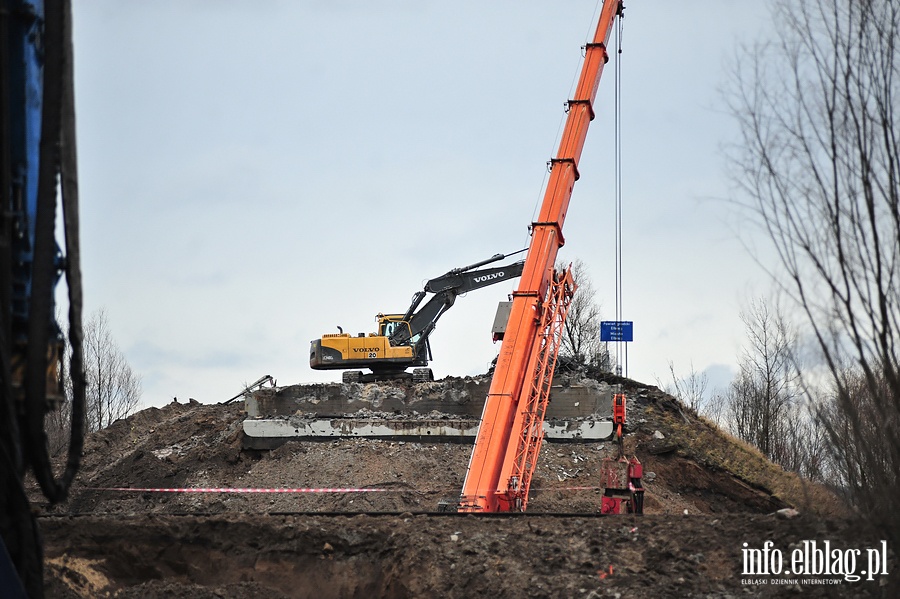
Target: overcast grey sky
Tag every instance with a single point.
(254, 174)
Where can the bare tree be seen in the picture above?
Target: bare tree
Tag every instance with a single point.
(714, 408)
(768, 384)
(57, 424)
(858, 466)
(581, 343)
(819, 164)
(767, 405)
(803, 445)
(689, 390)
(113, 389)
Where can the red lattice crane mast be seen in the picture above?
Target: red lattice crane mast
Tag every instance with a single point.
(511, 431)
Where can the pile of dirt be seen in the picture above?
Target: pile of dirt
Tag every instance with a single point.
(705, 495)
(689, 465)
(409, 556)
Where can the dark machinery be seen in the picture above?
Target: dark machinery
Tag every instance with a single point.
(37, 171)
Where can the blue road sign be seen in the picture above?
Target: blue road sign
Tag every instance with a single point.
(616, 330)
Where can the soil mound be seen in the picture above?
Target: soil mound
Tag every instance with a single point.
(705, 495)
(688, 465)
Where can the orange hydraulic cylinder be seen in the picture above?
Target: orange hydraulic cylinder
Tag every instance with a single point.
(483, 486)
(619, 408)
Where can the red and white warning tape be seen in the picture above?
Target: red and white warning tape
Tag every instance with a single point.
(239, 490)
(549, 489)
(288, 490)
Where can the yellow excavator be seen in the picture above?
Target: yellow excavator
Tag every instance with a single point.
(402, 340)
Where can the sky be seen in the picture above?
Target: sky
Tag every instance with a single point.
(254, 174)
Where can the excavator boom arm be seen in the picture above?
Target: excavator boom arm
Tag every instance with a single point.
(445, 289)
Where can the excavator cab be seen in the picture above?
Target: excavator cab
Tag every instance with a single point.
(387, 326)
(390, 324)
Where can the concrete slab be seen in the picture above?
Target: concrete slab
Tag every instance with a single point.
(267, 433)
(463, 397)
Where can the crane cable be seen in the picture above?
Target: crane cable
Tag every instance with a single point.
(619, 345)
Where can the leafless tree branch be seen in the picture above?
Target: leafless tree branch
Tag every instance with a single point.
(819, 166)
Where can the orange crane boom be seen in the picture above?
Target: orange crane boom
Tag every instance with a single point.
(510, 434)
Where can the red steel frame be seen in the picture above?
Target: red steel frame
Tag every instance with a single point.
(530, 418)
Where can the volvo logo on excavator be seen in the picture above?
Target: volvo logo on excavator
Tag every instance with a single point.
(365, 349)
(496, 275)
